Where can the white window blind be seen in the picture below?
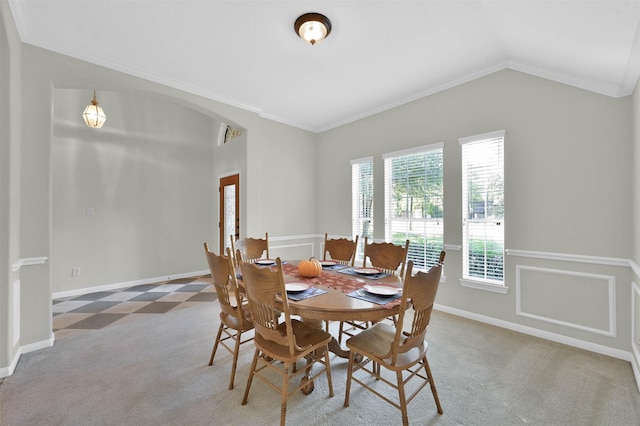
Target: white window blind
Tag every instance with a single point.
(414, 202)
(483, 207)
(362, 202)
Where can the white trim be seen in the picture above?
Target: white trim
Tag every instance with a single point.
(634, 267)
(416, 150)
(452, 247)
(570, 341)
(361, 160)
(117, 286)
(8, 371)
(295, 245)
(47, 343)
(222, 130)
(27, 261)
(635, 360)
(598, 260)
(635, 338)
(456, 81)
(611, 284)
(296, 237)
(35, 346)
(483, 285)
(606, 89)
(484, 136)
(227, 174)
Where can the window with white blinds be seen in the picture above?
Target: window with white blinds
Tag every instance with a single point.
(362, 201)
(414, 202)
(483, 207)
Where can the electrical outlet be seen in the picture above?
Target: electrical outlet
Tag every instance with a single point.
(75, 272)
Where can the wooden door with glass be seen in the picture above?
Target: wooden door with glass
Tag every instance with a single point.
(229, 210)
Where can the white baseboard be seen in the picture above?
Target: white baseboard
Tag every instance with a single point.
(570, 341)
(47, 343)
(118, 286)
(635, 361)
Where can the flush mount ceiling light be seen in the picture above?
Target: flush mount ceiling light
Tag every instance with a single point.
(312, 27)
(94, 115)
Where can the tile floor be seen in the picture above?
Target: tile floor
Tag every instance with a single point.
(77, 314)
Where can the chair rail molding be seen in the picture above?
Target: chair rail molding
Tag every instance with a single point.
(27, 261)
(599, 260)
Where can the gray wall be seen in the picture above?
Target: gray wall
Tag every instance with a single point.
(147, 177)
(10, 101)
(635, 294)
(568, 191)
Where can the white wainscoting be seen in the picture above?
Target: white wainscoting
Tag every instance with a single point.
(544, 309)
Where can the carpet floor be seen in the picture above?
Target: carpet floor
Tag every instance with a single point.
(153, 371)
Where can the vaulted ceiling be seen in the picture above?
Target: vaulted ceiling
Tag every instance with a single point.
(379, 54)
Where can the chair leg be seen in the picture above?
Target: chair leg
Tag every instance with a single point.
(349, 373)
(285, 393)
(340, 331)
(236, 351)
(215, 345)
(403, 398)
(427, 369)
(251, 372)
(328, 369)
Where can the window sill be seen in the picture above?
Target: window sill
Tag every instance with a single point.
(483, 285)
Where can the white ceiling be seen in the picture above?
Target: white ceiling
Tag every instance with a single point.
(379, 54)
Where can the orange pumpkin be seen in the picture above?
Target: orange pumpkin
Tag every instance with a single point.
(309, 268)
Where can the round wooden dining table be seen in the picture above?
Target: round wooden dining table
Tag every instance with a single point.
(333, 302)
(336, 304)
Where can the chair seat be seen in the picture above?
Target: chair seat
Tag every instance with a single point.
(378, 339)
(235, 323)
(307, 337)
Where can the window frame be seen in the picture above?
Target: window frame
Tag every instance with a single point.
(468, 280)
(357, 219)
(391, 221)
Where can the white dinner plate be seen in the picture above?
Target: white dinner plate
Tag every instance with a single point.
(382, 290)
(296, 287)
(265, 262)
(367, 271)
(328, 263)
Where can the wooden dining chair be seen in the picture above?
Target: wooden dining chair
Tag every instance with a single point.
(340, 250)
(396, 348)
(280, 344)
(388, 257)
(252, 249)
(235, 318)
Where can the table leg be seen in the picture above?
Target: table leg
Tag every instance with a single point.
(335, 347)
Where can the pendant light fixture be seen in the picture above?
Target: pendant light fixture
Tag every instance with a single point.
(94, 115)
(312, 27)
